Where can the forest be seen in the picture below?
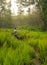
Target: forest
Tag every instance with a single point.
(27, 45)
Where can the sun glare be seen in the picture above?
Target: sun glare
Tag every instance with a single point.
(7, 1)
(14, 8)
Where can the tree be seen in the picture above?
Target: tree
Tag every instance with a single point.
(8, 15)
(5, 13)
(42, 5)
(2, 10)
(24, 3)
(20, 11)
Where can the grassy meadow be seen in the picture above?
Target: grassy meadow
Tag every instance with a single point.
(30, 50)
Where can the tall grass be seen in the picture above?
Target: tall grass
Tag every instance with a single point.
(27, 51)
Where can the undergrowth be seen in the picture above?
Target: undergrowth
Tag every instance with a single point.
(31, 50)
